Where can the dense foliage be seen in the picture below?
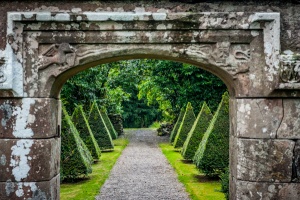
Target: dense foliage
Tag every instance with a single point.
(85, 132)
(196, 133)
(76, 159)
(108, 124)
(99, 128)
(177, 125)
(212, 156)
(143, 91)
(185, 126)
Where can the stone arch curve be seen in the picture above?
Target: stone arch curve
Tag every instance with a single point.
(134, 53)
(45, 48)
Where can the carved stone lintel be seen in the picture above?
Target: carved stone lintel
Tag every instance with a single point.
(221, 52)
(290, 68)
(59, 54)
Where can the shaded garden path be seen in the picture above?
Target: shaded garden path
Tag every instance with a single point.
(142, 172)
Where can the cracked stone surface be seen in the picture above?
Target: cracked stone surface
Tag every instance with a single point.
(142, 172)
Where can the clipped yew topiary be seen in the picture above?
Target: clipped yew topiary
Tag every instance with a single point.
(195, 135)
(85, 132)
(185, 126)
(108, 124)
(177, 125)
(76, 159)
(212, 156)
(99, 129)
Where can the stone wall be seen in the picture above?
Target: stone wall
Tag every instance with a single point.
(289, 11)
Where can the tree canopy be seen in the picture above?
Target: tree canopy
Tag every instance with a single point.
(143, 90)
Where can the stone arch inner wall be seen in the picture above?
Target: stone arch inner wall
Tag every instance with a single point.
(243, 48)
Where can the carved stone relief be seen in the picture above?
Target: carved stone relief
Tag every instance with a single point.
(290, 68)
(62, 55)
(234, 58)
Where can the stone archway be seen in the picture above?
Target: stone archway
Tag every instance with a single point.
(44, 49)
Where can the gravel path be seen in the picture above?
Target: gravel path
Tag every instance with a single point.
(142, 172)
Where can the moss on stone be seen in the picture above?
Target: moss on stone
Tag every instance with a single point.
(177, 125)
(80, 121)
(212, 156)
(185, 126)
(76, 159)
(109, 125)
(99, 129)
(195, 135)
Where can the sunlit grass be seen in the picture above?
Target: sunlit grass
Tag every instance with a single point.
(89, 188)
(197, 185)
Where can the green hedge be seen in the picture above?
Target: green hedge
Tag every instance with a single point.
(76, 159)
(85, 132)
(99, 129)
(212, 156)
(109, 125)
(177, 125)
(185, 126)
(195, 135)
(225, 183)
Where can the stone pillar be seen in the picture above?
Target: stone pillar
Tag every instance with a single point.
(265, 155)
(30, 148)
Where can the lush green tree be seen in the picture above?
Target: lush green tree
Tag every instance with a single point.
(76, 159)
(81, 123)
(195, 135)
(143, 90)
(173, 84)
(212, 156)
(185, 126)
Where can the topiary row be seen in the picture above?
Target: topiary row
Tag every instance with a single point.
(76, 159)
(185, 126)
(196, 133)
(177, 125)
(212, 156)
(85, 132)
(99, 129)
(108, 124)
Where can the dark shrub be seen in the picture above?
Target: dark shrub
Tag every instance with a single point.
(76, 160)
(212, 156)
(99, 129)
(165, 129)
(85, 132)
(185, 126)
(195, 135)
(177, 125)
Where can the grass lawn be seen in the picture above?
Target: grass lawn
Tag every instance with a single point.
(196, 184)
(89, 188)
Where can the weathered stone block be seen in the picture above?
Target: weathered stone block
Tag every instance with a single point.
(29, 118)
(266, 191)
(29, 160)
(265, 160)
(30, 190)
(290, 126)
(296, 162)
(258, 118)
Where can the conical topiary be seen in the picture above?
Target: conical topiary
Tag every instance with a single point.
(212, 156)
(85, 132)
(108, 124)
(177, 125)
(185, 126)
(76, 160)
(99, 129)
(195, 135)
